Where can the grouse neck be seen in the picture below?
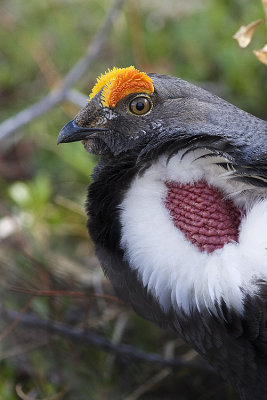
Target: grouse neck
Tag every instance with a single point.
(178, 271)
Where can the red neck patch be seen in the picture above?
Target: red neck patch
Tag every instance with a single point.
(200, 212)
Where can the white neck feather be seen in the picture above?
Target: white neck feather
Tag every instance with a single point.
(174, 271)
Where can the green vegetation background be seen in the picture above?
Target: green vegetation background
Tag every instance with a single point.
(43, 187)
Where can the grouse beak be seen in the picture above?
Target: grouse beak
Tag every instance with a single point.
(71, 132)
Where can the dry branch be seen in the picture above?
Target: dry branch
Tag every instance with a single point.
(64, 90)
(76, 98)
(64, 293)
(91, 338)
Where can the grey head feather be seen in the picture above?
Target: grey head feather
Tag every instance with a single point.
(181, 112)
(195, 111)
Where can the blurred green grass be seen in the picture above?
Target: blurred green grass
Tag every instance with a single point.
(43, 187)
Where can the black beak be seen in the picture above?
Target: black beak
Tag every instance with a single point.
(71, 132)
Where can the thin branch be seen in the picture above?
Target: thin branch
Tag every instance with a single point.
(94, 49)
(16, 320)
(64, 293)
(153, 381)
(22, 349)
(77, 98)
(25, 116)
(24, 396)
(82, 337)
(57, 95)
(264, 3)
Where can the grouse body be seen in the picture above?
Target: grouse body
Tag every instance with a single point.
(178, 214)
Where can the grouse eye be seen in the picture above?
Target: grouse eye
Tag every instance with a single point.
(140, 105)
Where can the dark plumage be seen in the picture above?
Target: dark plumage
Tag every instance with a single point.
(169, 131)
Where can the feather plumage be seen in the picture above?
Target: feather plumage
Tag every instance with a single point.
(216, 301)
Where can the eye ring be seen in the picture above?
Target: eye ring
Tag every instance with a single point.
(140, 105)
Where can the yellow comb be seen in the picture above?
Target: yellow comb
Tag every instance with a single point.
(119, 82)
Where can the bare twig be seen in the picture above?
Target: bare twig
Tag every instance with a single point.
(25, 396)
(77, 98)
(22, 349)
(118, 332)
(154, 380)
(94, 49)
(82, 337)
(64, 293)
(16, 320)
(264, 3)
(24, 117)
(63, 91)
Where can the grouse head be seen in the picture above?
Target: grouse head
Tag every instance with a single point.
(129, 109)
(178, 213)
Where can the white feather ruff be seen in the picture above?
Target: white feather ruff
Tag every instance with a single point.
(176, 272)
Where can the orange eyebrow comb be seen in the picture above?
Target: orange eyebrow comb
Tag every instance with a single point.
(119, 82)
